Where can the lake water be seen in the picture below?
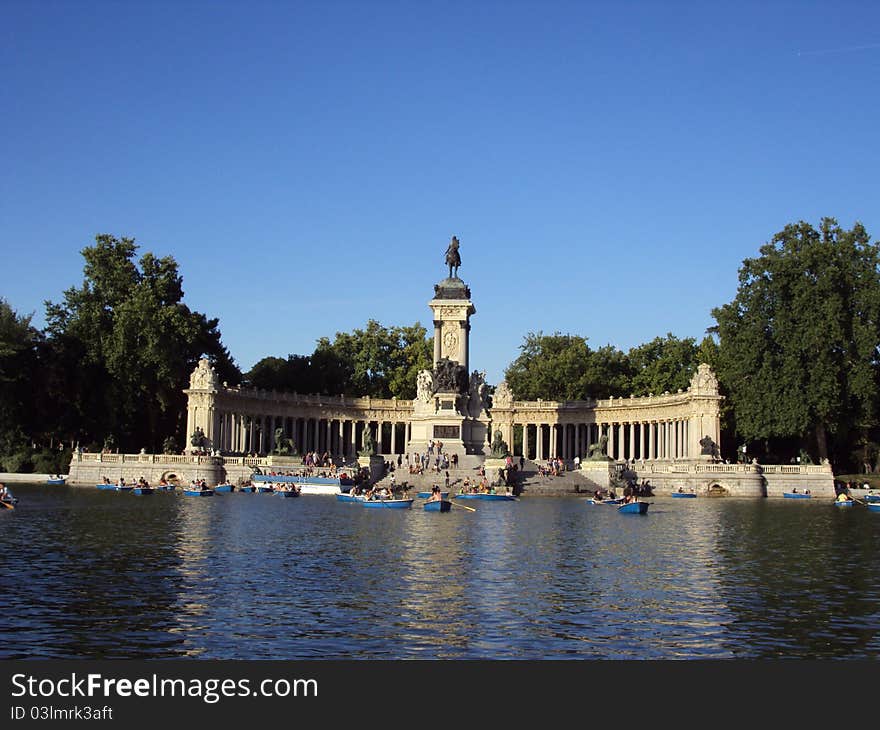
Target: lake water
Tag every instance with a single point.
(103, 575)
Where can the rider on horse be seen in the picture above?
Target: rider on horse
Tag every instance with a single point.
(453, 259)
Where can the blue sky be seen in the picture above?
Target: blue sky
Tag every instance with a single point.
(606, 166)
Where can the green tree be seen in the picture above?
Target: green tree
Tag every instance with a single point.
(127, 344)
(663, 364)
(377, 361)
(798, 346)
(19, 348)
(563, 367)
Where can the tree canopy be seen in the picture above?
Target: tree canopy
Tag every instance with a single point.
(123, 345)
(564, 367)
(377, 361)
(798, 346)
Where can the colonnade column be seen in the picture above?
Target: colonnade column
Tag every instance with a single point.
(438, 342)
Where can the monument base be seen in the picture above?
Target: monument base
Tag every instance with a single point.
(375, 463)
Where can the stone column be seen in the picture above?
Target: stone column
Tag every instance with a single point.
(393, 437)
(539, 442)
(463, 338)
(611, 451)
(438, 342)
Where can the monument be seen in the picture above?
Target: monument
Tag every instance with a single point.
(451, 404)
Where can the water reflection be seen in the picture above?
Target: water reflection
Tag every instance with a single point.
(107, 575)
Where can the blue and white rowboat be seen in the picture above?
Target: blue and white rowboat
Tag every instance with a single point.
(635, 508)
(199, 492)
(488, 497)
(388, 503)
(438, 505)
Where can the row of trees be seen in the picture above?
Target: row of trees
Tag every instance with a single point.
(797, 354)
(565, 367)
(378, 361)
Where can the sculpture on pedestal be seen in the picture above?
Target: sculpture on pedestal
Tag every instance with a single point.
(453, 258)
(424, 386)
(369, 445)
(450, 377)
(599, 451)
(499, 448)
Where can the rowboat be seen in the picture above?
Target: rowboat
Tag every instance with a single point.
(388, 503)
(164, 488)
(55, 481)
(309, 484)
(287, 493)
(105, 486)
(489, 497)
(247, 489)
(224, 488)
(872, 498)
(438, 505)
(425, 495)
(124, 487)
(350, 498)
(635, 508)
(873, 506)
(843, 503)
(796, 495)
(265, 490)
(684, 495)
(143, 490)
(199, 492)
(593, 500)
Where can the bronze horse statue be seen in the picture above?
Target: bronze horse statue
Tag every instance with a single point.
(453, 259)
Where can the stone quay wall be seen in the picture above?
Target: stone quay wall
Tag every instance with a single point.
(90, 469)
(733, 480)
(738, 480)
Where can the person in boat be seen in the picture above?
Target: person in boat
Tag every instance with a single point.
(5, 496)
(106, 480)
(681, 490)
(844, 497)
(435, 494)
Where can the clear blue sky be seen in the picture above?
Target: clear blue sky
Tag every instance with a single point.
(606, 166)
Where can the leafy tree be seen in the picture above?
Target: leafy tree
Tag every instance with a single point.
(798, 346)
(125, 344)
(378, 361)
(19, 347)
(563, 367)
(663, 364)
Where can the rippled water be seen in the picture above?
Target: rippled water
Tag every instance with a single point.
(92, 574)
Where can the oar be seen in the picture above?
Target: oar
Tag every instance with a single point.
(6, 504)
(462, 506)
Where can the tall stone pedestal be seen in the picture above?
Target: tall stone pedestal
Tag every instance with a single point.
(598, 472)
(376, 465)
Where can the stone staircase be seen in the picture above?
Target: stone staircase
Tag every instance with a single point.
(531, 483)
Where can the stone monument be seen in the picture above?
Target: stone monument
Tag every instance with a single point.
(450, 405)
